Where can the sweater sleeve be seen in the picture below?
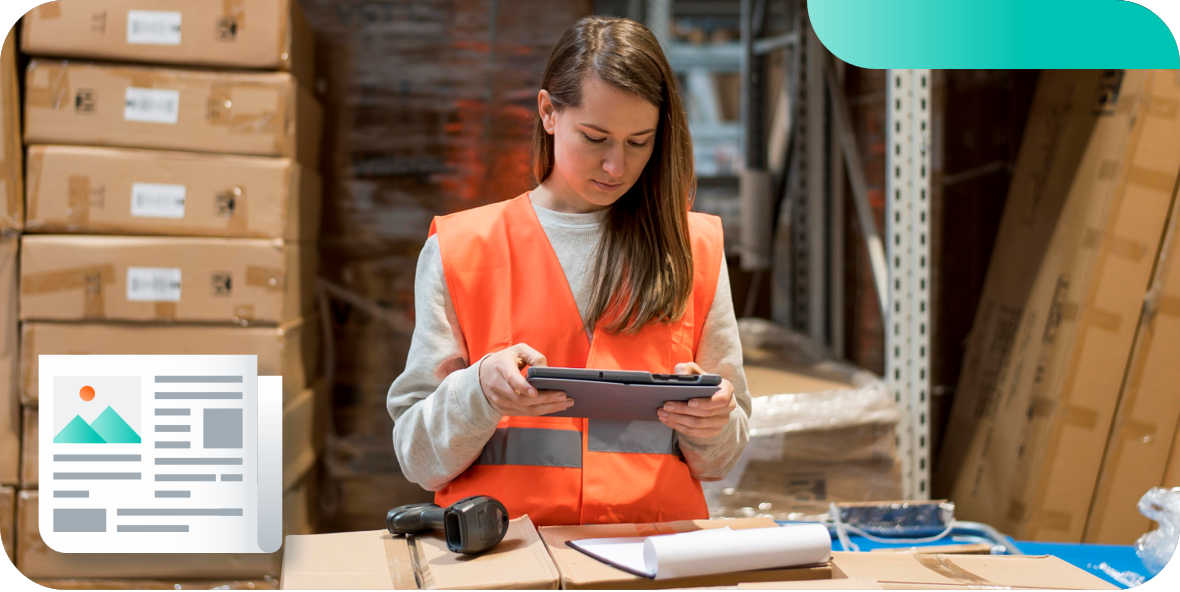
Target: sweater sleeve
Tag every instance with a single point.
(720, 352)
(441, 419)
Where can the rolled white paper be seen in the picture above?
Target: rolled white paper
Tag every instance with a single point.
(716, 551)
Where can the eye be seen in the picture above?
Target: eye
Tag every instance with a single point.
(638, 145)
(589, 139)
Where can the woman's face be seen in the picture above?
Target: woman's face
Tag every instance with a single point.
(600, 147)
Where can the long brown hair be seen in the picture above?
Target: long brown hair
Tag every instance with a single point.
(643, 268)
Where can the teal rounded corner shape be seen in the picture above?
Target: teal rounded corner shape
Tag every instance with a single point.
(1065, 34)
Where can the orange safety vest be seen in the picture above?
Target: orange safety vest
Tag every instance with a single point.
(508, 287)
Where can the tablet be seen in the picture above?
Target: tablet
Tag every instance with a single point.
(624, 395)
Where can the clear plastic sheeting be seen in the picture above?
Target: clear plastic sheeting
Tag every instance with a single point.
(1156, 547)
(821, 431)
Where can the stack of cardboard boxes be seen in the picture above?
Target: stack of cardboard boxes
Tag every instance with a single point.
(11, 216)
(1067, 409)
(171, 210)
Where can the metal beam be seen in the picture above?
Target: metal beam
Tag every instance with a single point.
(768, 44)
(860, 191)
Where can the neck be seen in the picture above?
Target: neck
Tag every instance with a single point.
(555, 194)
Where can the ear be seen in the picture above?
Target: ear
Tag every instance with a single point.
(547, 110)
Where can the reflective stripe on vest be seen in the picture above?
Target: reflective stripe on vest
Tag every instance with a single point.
(645, 437)
(534, 447)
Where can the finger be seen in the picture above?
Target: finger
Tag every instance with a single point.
(719, 400)
(527, 356)
(694, 421)
(504, 393)
(549, 408)
(687, 368)
(544, 398)
(684, 409)
(515, 381)
(691, 431)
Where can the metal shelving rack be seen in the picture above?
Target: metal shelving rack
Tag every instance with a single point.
(824, 156)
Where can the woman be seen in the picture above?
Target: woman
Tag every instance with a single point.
(601, 266)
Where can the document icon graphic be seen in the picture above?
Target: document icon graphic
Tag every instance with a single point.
(160, 454)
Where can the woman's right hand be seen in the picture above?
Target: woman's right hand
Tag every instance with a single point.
(508, 392)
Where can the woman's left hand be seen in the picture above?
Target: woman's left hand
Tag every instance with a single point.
(699, 418)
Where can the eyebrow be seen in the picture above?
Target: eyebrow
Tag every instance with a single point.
(598, 129)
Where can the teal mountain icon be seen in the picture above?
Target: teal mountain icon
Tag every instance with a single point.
(107, 428)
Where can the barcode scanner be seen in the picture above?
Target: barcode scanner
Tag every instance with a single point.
(471, 525)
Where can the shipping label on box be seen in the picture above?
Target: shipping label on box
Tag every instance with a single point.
(253, 113)
(87, 190)
(291, 350)
(261, 34)
(176, 279)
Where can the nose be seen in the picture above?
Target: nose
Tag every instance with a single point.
(614, 163)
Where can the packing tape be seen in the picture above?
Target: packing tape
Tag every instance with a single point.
(945, 567)
(89, 278)
(33, 165)
(221, 110)
(1138, 430)
(235, 9)
(55, 88)
(401, 564)
(165, 310)
(30, 375)
(141, 77)
(1123, 248)
(267, 278)
(51, 10)
(78, 210)
(1159, 180)
(1081, 417)
(244, 312)
(1165, 107)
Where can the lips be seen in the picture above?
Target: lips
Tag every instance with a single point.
(606, 186)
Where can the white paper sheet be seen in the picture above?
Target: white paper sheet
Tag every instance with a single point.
(705, 552)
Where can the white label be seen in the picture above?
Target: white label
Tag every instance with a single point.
(153, 27)
(153, 284)
(153, 105)
(156, 200)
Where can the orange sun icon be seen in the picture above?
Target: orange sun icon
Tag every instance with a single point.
(86, 392)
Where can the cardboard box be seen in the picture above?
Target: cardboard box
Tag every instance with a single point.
(263, 34)
(579, 572)
(243, 281)
(291, 350)
(300, 515)
(377, 560)
(304, 427)
(1094, 181)
(263, 114)
(9, 360)
(1172, 472)
(904, 571)
(29, 459)
(108, 584)
(36, 560)
(12, 210)
(86, 190)
(1148, 412)
(7, 519)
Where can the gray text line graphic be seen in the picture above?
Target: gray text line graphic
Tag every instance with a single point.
(186, 477)
(198, 379)
(172, 444)
(64, 476)
(172, 494)
(172, 428)
(231, 477)
(85, 494)
(172, 412)
(195, 395)
(96, 458)
(198, 461)
(153, 528)
(178, 512)
(79, 520)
